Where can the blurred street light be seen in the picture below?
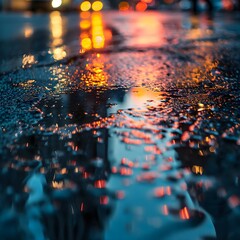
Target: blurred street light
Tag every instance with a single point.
(85, 6)
(56, 3)
(97, 6)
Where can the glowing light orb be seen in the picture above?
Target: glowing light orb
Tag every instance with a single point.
(85, 6)
(141, 6)
(56, 3)
(86, 43)
(123, 6)
(97, 6)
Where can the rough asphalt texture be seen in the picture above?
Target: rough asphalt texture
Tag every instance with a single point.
(140, 107)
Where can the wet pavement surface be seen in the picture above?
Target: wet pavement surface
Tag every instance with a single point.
(119, 126)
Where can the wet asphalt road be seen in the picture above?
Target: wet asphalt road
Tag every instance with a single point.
(120, 125)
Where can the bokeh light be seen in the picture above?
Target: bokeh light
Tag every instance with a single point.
(56, 27)
(86, 43)
(147, 1)
(85, 15)
(59, 53)
(97, 6)
(85, 6)
(97, 31)
(85, 24)
(28, 31)
(56, 3)
(228, 5)
(28, 60)
(123, 6)
(141, 6)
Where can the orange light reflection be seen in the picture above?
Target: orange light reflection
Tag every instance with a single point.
(184, 213)
(56, 26)
(140, 95)
(95, 31)
(94, 36)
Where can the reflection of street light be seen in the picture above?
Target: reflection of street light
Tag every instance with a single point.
(85, 24)
(86, 43)
(28, 60)
(56, 3)
(59, 53)
(28, 31)
(97, 31)
(56, 26)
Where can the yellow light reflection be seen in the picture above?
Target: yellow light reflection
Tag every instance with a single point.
(27, 84)
(195, 74)
(98, 38)
(57, 185)
(96, 75)
(197, 169)
(59, 53)
(61, 79)
(86, 43)
(28, 31)
(28, 60)
(97, 6)
(56, 26)
(200, 27)
(93, 35)
(85, 6)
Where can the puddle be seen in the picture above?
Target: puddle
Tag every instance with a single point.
(129, 161)
(105, 157)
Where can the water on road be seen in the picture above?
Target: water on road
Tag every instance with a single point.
(119, 126)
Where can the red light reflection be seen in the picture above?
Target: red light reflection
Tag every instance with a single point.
(184, 213)
(104, 200)
(100, 184)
